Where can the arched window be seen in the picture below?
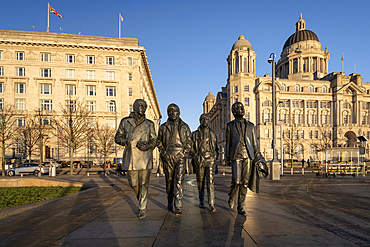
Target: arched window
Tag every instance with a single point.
(283, 87)
(324, 89)
(266, 103)
(299, 149)
(297, 88)
(310, 89)
(312, 149)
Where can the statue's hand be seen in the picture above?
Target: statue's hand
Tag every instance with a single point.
(166, 157)
(125, 142)
(142, 145)
(179, 156)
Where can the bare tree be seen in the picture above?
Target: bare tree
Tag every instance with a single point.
(104, 136)
(31, 136)
(73, 127)
(293, 142)
(8, 131)
(323, 138)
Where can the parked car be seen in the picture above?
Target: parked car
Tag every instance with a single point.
(54, 163)
(28, 168)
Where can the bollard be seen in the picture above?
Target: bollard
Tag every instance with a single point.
(157, 174)
(21, 175)
(302, 171)
(223, 172)
(291, 171)
(88, 174)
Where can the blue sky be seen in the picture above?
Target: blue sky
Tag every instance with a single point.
(187, 41)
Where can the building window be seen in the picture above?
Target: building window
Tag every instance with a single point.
(266, 88)
(283, 118)
(47, 121)
(130, 92)
(266, 103)
(310, 119)
(20, 71)
(1, 71)
(91, 90)
(1, 87)
(324, 89)
(288, 134)
(111, 123)
(71, 89)
(246, 88)
(324, 119)
(247, 116)
(297, 88)
(129, 76)
(20, 104)
(21, 121)
(235, 100)
(109, 60)
(90, 74)
(302, 134)
(91, 105)
(46, 89)
(1, 54)
(316, 134)
(296, 134)
(267, 133)
(1, 104)
(299, 149)
(70, 73)
(130, 108)
(129, 61)
(235, 89)
(297, 118)
(266, 117)
(45, 57)
(246, 101)
(20, 55)
(110, 91)
(110, 75)
(363, 120)
(45, 72)
(312, 149)
(111, 106)
(90, 59)
(47, 104)
(20, 88)
(283, 87)
(310, 89)
(345, 119)
(71, 105)
(310, 134)
(71, 58)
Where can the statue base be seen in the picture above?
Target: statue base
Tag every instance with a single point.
(274, 170)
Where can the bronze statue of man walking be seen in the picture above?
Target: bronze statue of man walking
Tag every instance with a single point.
(137, 134)
(242, 151)
(204, 152)
(174, 145)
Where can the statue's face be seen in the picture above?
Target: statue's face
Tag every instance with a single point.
(238, 110)
(204, 121)
(140, 108)
(173, 113)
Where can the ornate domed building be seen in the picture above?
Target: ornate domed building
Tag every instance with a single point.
(316, 109)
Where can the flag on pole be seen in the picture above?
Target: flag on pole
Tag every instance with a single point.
(52, 10)
(342, 56)
(121, 17)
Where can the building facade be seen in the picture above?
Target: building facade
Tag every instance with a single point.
(315, 108)
(46, 70)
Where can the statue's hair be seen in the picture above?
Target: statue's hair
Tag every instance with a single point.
(137, 101)
(204, 115)
(235, 105)
(173, 105)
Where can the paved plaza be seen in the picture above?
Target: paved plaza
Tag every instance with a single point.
(298, 210)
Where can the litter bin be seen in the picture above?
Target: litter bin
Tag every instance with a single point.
(52, 171)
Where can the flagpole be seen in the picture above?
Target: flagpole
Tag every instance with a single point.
(342, 62)
(119, 26)
(47, 29)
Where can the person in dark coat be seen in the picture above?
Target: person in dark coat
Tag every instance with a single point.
(137, 135)
(204, 152)
(174, 145)
(247, 162)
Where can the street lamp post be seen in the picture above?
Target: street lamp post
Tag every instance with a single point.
(275, 163)
(115, 144)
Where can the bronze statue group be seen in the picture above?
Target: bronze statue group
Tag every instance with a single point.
(176, 143)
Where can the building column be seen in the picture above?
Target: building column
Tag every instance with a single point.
(319, 120)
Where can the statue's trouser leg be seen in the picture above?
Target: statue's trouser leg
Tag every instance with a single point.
(133, 180)
(169, 173)
(144, 176)
(245, 174)
(235, 178)
(178, 182)
(201, 182)
(210, 173)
